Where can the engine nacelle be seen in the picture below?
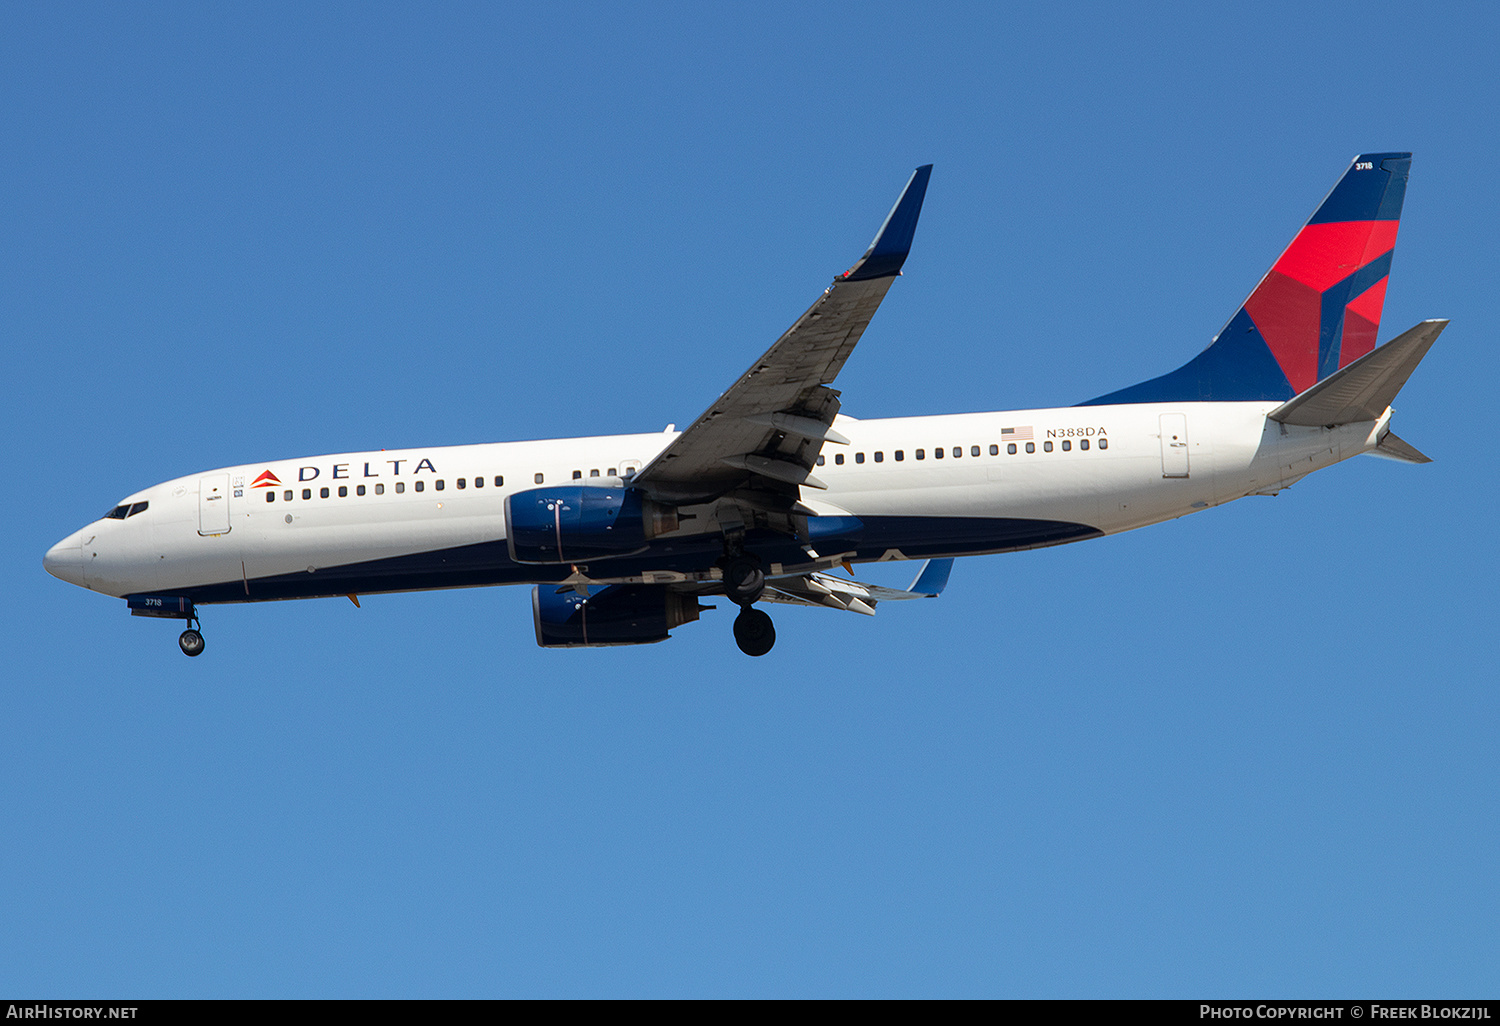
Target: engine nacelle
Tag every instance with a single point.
(621, 614)
(573, 524)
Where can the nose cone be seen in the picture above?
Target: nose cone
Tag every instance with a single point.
(65, 560)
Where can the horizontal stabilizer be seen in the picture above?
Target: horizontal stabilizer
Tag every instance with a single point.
(1362, 390)
(1393, 448)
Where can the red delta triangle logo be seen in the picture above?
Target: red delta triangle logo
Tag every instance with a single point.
(266, 480)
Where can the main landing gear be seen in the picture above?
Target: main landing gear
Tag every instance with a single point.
(754, 632)
(744, 583)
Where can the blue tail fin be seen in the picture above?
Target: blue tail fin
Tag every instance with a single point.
(1316, 310)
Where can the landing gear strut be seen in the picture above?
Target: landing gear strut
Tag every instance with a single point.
(191, 640)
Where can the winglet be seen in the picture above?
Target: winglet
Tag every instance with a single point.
(933, 578)
(893, 242)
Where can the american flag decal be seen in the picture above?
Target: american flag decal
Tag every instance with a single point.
(1016, 434)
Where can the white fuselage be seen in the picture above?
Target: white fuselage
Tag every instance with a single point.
(1108, 468)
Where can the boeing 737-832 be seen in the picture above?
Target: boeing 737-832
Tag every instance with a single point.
(772, 488)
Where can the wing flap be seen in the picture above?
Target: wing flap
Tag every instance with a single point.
(820, 589)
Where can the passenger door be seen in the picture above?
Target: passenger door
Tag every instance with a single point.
(213, 505)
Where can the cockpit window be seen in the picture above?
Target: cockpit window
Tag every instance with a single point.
(126, 509)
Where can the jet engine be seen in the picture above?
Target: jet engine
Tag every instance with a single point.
(574, 524)
(621, 614)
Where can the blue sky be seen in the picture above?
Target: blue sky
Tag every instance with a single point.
(1251, 752)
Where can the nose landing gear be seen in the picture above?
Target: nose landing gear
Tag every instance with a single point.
(191, 642)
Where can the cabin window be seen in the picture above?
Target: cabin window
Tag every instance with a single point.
(938, 453)
(380, 489)
(1083, 443)
(994, 450)
(880, 457)
(594, 472)
(343, 491)
(838, 458)
(1011, 448)
(270, 495)
(307, 493)
(1046, 447)
(610, 472)
(1031, 447)
(323, 492)
(958, 451)
(539, 479)
(900, 455)
(921, 454)
(287, 495)
(577, 475)
(822, 459)
(859, 457)
(438, 484)
(417, 486)
(499, 480)
(973, 450)
(479, 482)
(1104, 443)
(1066, 445)
(463, 482)
(359, 489)
(400, 487)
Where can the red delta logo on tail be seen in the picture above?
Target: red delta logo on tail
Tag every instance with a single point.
(266, 480)
(1317, 309)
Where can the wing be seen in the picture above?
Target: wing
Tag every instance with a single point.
(820, 589)
(766, 430)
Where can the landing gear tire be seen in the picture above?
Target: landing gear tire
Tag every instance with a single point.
(191, 642)
(744, 582)
(754, 632)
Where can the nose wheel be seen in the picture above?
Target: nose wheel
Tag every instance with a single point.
(191, 642)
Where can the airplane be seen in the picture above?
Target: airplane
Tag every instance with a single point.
(772, 488)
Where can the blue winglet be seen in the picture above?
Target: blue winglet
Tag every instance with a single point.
(893, 242)
(933, 578)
